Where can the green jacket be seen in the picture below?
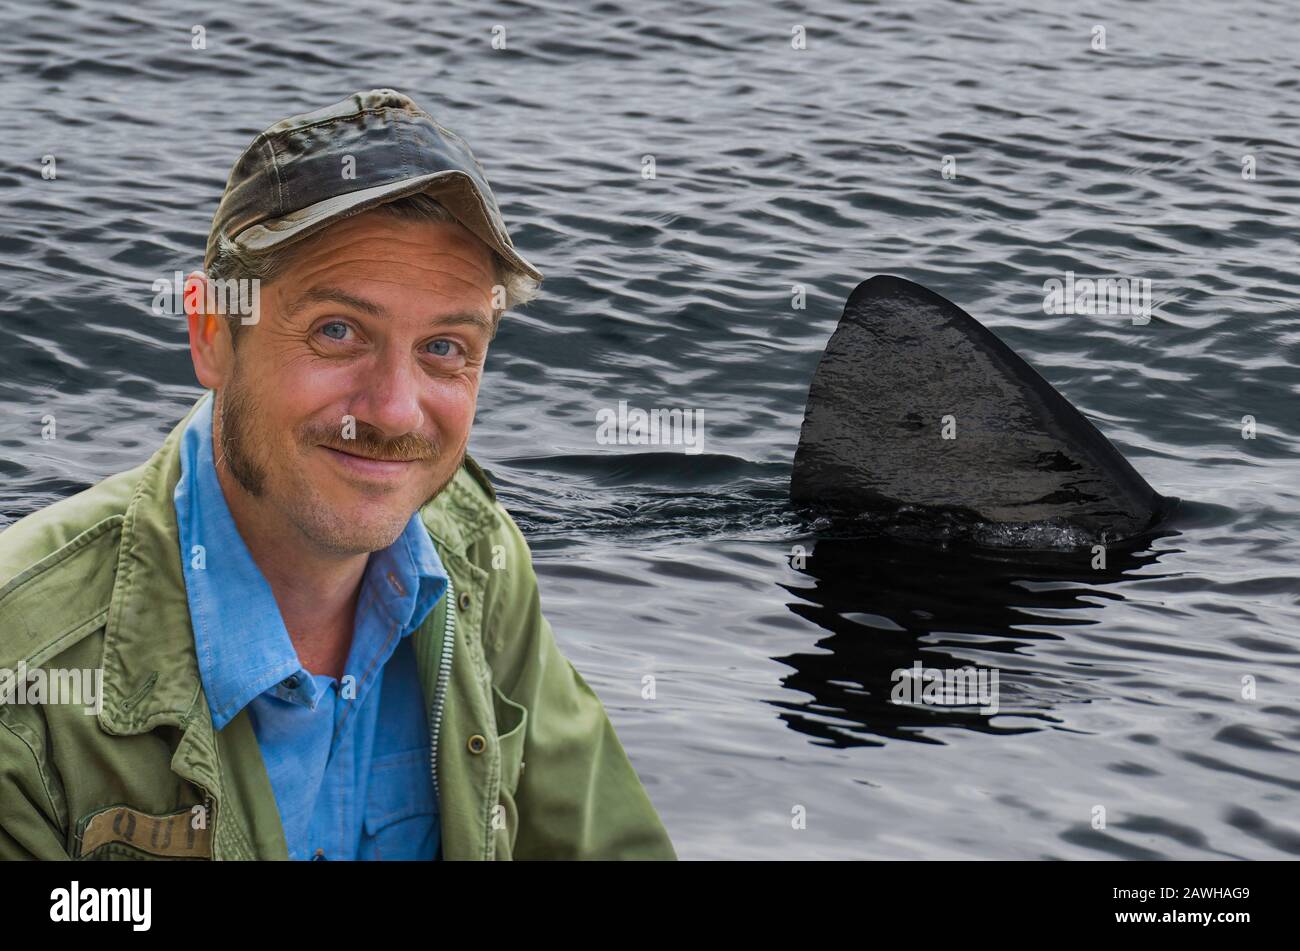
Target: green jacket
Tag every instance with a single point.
(528, 763)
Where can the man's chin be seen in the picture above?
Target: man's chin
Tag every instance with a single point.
(357, 527)
(348, 518)
(354, 539)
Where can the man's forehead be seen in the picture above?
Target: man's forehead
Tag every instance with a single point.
(362, 299)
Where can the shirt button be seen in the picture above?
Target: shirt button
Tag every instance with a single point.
(397, 585)
(477, 744)
(464, 601)
(290, 683)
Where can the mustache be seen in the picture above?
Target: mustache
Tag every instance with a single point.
(369, 442)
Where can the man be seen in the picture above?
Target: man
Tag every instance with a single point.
(319, 632)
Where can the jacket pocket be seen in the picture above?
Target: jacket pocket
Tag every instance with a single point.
(120, 851)
(124, 832)
(512, 727)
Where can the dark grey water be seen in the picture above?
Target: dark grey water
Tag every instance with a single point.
(775, 166)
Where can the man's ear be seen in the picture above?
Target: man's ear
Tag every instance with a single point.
(211, 343)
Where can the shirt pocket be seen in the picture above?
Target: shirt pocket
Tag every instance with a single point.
(401, 819)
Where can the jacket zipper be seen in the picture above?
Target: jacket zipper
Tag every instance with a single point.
(440, 688)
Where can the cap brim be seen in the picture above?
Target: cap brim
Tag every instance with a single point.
(454, 189)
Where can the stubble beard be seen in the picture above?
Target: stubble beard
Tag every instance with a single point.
(236, 406)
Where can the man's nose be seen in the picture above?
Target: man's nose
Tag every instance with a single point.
(389, 397)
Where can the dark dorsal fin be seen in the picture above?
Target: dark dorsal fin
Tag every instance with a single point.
(901, 359)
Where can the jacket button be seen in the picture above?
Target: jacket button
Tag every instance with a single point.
(463, 601)
(477, 744)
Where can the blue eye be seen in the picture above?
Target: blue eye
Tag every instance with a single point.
(440, 347)
(335, 325)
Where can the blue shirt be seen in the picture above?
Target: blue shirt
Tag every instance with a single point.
(349, 761)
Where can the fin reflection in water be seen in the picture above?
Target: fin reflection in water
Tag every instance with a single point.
(886, 604)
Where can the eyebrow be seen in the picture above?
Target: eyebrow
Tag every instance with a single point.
(333, 295)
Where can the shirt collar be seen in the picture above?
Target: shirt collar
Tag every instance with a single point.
(242, 645)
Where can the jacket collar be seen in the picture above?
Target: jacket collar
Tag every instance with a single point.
(151, 675)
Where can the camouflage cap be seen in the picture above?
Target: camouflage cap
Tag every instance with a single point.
(310, 170)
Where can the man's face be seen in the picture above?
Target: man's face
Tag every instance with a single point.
(378, 320)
